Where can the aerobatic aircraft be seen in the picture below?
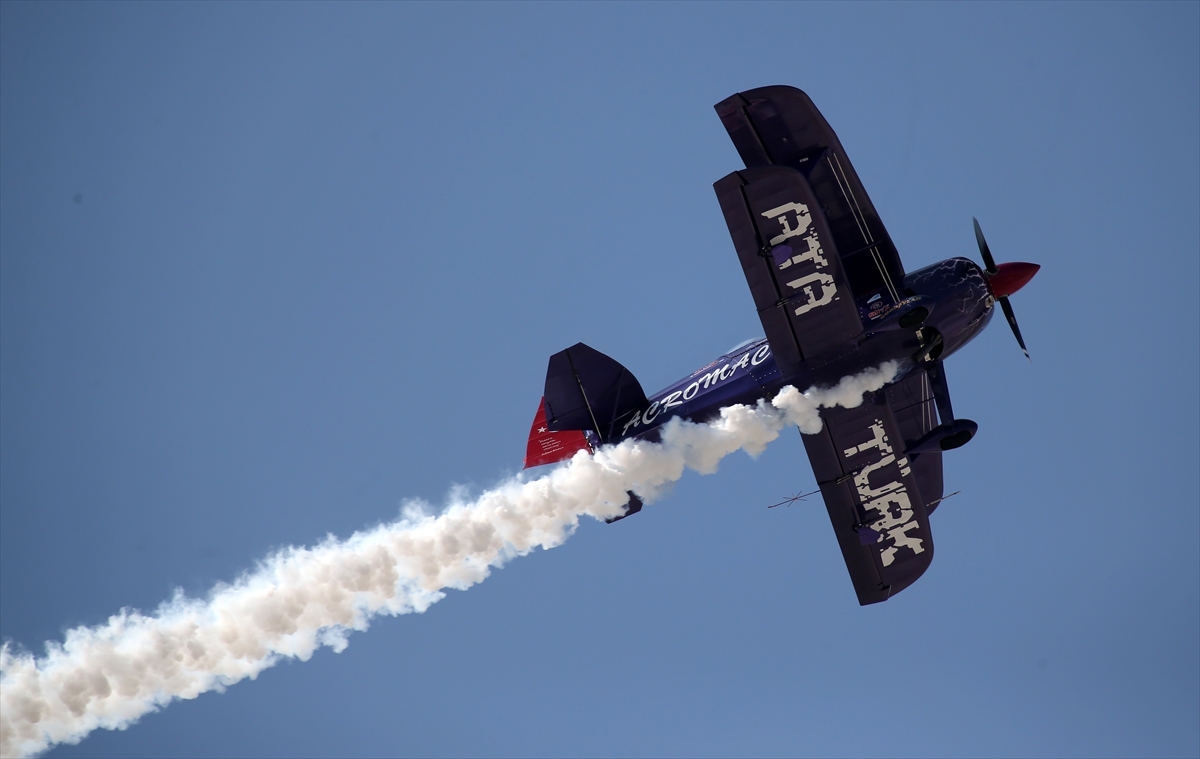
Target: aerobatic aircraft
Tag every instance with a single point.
(834, 300)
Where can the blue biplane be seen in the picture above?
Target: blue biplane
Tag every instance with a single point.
(834, 300)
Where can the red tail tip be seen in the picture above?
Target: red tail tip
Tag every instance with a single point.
(1011, 277)
(547, 447)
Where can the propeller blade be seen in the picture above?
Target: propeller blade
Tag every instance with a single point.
(988, 262)
(1012, 322)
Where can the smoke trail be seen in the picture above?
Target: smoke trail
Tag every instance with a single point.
(301, 598)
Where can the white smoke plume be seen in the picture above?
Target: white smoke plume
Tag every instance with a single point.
(301, 598)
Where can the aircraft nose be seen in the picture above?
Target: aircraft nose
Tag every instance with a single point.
(1011, 277)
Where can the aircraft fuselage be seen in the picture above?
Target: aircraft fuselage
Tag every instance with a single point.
(954, 293)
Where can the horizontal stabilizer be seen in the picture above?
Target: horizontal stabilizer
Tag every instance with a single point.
(631, 508)
(548, 447)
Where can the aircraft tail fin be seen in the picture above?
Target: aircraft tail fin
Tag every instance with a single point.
(548, 447)
(587, 390)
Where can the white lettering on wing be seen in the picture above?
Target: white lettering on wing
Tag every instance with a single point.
(889, 497)
(804, 285)
(812, 255)
(780, 213)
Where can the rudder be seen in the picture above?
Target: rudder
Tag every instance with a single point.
(587, 390)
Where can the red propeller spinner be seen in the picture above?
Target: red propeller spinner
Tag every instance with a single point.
(1011, 277)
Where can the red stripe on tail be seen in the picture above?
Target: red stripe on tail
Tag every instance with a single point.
(547, 447)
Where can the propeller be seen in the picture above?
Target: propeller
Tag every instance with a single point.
(1004, 280)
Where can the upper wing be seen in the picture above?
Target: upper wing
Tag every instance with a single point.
(872, 496)
(780, 126)
(790, 262)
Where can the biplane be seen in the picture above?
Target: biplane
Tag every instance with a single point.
(833, 299)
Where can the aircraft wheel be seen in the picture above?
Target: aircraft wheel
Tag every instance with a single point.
(957, 440)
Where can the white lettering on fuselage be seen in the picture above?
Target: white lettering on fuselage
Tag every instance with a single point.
(826, 287)
(890, 498)
(702, 382)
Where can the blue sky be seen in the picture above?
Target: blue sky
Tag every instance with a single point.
(267, 270)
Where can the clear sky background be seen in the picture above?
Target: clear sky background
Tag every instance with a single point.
(267, 270)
